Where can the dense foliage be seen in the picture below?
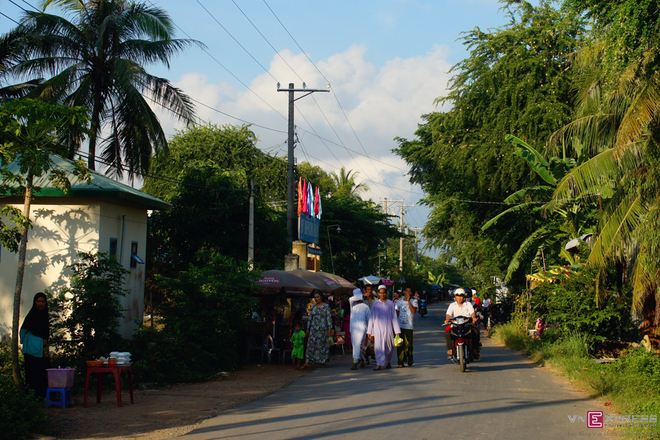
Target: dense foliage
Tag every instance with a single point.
(20, 413)
(202, 322)
(85, 316)
(572, 306)
(517, 80)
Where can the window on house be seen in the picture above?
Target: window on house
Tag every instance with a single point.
(113, 247)
(135, 260)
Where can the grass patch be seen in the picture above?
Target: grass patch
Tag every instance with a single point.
(631, 384)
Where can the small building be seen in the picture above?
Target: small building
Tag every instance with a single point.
(104, 216)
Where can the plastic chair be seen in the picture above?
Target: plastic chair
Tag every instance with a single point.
(64, 400)
(340, 339)
(288, 348)
(253, 344)
(269, 348)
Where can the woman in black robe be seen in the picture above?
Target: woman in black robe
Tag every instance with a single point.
(35, 332)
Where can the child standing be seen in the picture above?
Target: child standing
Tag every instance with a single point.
(298, 341)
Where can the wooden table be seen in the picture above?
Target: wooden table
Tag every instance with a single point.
(116, 372)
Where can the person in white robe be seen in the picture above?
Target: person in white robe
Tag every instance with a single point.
(360, 314)
(383, 326)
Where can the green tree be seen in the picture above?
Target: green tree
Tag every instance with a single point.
(345, 182)
(205, 313)
(618, 122)
(364, 227)
(204, 175)
(557, 222)
(517, 80)
(29, 134)
(97, 61)
(87, 314)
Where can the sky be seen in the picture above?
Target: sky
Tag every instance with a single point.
(386, 62)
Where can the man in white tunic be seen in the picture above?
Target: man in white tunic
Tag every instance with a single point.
(360, 314)
(383, 325)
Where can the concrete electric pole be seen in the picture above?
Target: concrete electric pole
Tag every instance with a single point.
(290, 184)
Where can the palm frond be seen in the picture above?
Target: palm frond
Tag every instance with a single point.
(531, 242)
(511, 210)
(588, 177)
(617, 228)
(644, 283)
(641, 112)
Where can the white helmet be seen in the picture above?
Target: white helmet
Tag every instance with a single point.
(460, 292)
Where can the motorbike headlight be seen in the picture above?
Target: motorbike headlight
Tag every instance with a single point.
(460, 321)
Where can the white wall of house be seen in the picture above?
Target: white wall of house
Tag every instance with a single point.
(60, 232)
(134, 225)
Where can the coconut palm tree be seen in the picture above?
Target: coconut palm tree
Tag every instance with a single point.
(345, 182)
(97, 61)
(620, 122)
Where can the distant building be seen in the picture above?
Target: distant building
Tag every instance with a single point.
(105, 216)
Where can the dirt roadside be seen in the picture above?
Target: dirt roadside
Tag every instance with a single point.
(161, 413)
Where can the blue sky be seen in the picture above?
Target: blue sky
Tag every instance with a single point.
(386, 61)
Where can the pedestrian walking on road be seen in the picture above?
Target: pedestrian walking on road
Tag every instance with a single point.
(383, 325)
(298, 340)
(360, 315)
(369, 298)
(406, 309)
(319, 329)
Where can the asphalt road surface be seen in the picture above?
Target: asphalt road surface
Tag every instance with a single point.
(502, 397)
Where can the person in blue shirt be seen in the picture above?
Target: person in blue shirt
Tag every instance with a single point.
(34, 337)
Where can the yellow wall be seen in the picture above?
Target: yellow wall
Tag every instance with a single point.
(60, 232)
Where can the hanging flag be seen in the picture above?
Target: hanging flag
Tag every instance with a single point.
(299, 195)
(317, 200)
(320, 208)
(310, 200)
(304, 197)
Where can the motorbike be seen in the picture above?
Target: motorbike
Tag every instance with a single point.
(461, 338)
(422, 308)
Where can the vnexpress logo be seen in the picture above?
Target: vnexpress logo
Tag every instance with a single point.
(594, 419)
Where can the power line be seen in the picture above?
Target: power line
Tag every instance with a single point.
(234, 38)
(9, 18)
(336, 98)
(227, 70)
(267, 41)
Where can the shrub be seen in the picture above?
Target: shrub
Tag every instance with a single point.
(20, 413)
(85, 317)
(573, 307)
(205, 312)
(511, 335)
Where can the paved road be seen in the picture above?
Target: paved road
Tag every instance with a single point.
(502, 397)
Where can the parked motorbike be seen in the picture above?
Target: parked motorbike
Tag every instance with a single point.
(461, 338)
(422, 308)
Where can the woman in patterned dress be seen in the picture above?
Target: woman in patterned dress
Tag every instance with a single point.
(319, 328)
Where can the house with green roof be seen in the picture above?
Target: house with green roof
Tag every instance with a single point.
(103, 216)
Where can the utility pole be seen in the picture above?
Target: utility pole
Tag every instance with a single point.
(416, 229)
(290, 184)
(401, 230)
(401, 205)
(386, 211)
(251, 227)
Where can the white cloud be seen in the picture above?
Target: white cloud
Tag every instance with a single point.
(381, 103)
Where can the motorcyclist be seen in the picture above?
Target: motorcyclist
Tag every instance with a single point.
(462, 308)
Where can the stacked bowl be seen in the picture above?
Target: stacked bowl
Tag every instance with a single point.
(123, 357)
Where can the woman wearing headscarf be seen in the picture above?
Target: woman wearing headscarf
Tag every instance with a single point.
(34, 337)
(319, 328)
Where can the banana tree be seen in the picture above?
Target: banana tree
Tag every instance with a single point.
(558, 220)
